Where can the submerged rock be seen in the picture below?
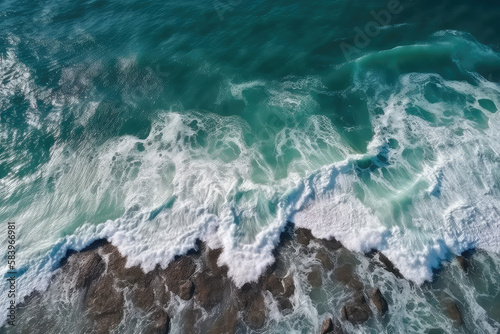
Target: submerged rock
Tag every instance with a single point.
(227, 323)
(453, 312)
(357, 311)
(251, 301)
(325, 260)
(379, 301)
(273, 284)
(331, 326)
(315, 277)
(161, 323)
(463, 262)
(345, 275)
(289, 285)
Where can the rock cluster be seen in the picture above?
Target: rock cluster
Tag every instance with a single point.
(100, 274)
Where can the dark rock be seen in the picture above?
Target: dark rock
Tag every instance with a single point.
(105, 304)
(189, 317)
(453, 312)
(117, 266)
(246, 294)
(209, 290)
(345, 275)
(252, 302)
(198, 249)
(304, 236)
(212, 257)
(273, 284)
(389, 266)
(337, 327)
(91, 266)
(143, 298)
(281, 289)
(379, 301)
(331, 326)
(284, 304)
(159, 290)
(289, 285)
(146, 291)
(256, 312)
(324, 258)
(332, 244)
(227, 323)
(161, 323)
(181, 269)
(315, 277)
(178, 272)
(356, 311)
(186, 290)
(463, 262)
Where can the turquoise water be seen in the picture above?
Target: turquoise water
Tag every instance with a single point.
(155, 123)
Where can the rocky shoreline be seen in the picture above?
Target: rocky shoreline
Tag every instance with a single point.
(105, 288)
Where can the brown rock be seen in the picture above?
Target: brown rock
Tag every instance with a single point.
(304, 236)
(256, 312)
(143, 298)
(273, 284)
(315, 277)
(356, 311)
(252, 302)
(281, 289)
(161, 323)
(327, 326)
(209, 290)
(186, 290)
(90, 267)
(345, 275)
(212, 257)
(178, 272)
(324, 258)
(227, 323)
(389, 266)
(105, 304)
(379, 301)
(246, 294)
(189, 317)
(146, 291)
(453, 312)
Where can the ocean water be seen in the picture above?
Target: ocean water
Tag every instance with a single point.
(156, 123)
